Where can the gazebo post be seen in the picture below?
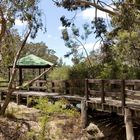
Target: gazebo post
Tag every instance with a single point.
(44, 74)
(20, 76)
(39, 71)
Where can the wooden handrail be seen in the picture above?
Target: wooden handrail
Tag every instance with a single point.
(121, 93)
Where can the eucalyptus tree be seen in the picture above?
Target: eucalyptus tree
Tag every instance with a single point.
(40, 49)
(26, 11)
(119, 44)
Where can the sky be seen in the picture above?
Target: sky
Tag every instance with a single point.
(51, 19)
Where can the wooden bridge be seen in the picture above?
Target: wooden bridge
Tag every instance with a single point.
(119, 96)
(104, 95)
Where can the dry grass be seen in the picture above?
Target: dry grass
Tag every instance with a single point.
(21, 123)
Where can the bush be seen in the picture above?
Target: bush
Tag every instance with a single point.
(60, 73)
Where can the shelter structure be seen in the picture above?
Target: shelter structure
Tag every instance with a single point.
(30, 62)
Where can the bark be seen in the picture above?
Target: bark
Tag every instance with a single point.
(129, 124)
(84, 114)
(94, 4)
(3, 24)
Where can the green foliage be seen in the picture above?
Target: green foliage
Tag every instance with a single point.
(79, 71)
(60, 73)
(41, 50)
(119, 56)
(48, 109)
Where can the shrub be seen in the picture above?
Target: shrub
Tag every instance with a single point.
(60, 73)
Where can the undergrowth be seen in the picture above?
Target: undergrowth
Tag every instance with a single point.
(48, 110)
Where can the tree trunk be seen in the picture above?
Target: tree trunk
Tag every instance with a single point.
(128, 124)
(83, 114)
(6, 102)
(10, 85)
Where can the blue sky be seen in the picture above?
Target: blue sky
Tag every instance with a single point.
(51, 18)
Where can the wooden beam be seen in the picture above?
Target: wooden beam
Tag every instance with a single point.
(18, 99)
(86, 89)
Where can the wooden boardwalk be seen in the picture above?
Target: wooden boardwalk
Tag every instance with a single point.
(102, 95)
(119, 96)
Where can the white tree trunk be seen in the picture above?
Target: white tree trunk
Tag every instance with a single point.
(128, 124)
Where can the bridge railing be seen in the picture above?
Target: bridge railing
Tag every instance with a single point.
(116, 89)
(70, 87)
(4, 84)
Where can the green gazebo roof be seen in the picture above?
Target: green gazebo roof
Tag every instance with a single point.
(33, 60)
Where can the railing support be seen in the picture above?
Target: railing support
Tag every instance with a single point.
(53, 90)
(123, 93)
(86, 90)
(102, 91)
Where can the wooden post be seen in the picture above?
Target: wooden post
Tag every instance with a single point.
(123, 93)
(67, 87)
(20, 76)
(53, 90)
(28, 101)
(83, 114)
(18, 99)
(39, 71)
(64, 87)
(128, 124)
(1, 96)
(86, 89)
(102, 92)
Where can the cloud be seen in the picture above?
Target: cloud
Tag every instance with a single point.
(49, 36)
(90, 14)
(62, 27)
(20, 23)
(90, 46)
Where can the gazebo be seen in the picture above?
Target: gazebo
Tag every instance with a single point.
(30, 62)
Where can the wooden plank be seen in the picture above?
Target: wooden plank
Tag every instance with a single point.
(111, 93)
(36, 88)
(132, 82)
(132, 91)
(97, 81)
(94, 93)
(133, 97)
(118, 82)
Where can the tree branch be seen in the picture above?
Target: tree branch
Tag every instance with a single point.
(84, 50)
(16, 59)
(94, 4)
(10, 88)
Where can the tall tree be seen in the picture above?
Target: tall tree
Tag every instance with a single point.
(25, 11)
(120, 44)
